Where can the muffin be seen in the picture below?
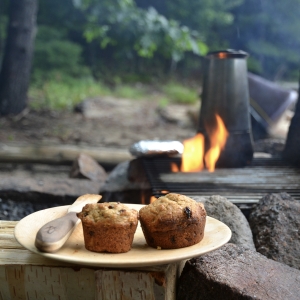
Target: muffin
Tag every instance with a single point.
(173, 221)
(108, 227)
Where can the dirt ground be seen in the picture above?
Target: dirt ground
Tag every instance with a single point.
(115, 124)
(101, 122)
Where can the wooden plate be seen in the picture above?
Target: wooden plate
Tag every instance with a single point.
(216, 234)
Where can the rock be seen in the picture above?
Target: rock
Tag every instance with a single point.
(220, 208)
(88, 168)
(271, 145)
(117, 180)
(275, 224)
(181, 115)
(233, 272)
(136, 174)
(127, 183)
(16, 210)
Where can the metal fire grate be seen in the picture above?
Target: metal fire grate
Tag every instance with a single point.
(242, 186)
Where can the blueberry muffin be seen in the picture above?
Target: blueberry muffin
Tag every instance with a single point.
(173, 221)
(108, 227)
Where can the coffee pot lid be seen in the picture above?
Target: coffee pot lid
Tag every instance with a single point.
(229, 53)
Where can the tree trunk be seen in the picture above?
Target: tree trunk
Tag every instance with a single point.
(292, 145)
(15, 72)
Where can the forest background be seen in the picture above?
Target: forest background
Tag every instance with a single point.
(85, 48)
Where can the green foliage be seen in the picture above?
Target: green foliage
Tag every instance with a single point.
(121, 37)
(157, 33)
(163, 102)
(207, 17)
(61, 92)
(180, 94)
(129, 92)
(53, 52)
(61, 15)
(128, 41)
(3, 25)
(131, 30)
(273, 39)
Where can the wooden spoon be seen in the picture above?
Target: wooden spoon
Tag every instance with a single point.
(55, 233)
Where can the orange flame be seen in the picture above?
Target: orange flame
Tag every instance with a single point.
(143, 200)
(217, 142)
(222, 55)
(164, 192)
(193, 150)
(174, 168)
(152, 199)
(193, 154)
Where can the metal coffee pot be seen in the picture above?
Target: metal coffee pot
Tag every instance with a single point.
(226, 93)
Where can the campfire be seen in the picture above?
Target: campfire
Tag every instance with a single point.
(242, 186)
(220, 158)
(194, 157)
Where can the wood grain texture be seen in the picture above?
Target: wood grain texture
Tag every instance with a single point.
(40, 282)
(122, 285)
(27, 275)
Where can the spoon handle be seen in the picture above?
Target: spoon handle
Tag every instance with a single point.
(54, 234)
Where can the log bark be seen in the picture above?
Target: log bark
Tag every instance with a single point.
(44, 153)
(16, 67)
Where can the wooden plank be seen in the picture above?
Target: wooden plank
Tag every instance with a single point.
(238, 185)
(117, 285)
(40, 282)
(59, 153)
(8, 242)
(27, 275)
(45, 282)
(25, 257)
(7, 238)
(234, 177)
(8, 225)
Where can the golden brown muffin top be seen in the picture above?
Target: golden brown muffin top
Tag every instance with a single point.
(171, 210)
(108, 213)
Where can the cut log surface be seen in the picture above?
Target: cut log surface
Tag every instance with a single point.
(232, 272)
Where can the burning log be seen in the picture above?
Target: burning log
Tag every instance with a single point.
(127, 183)
(194, 157)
